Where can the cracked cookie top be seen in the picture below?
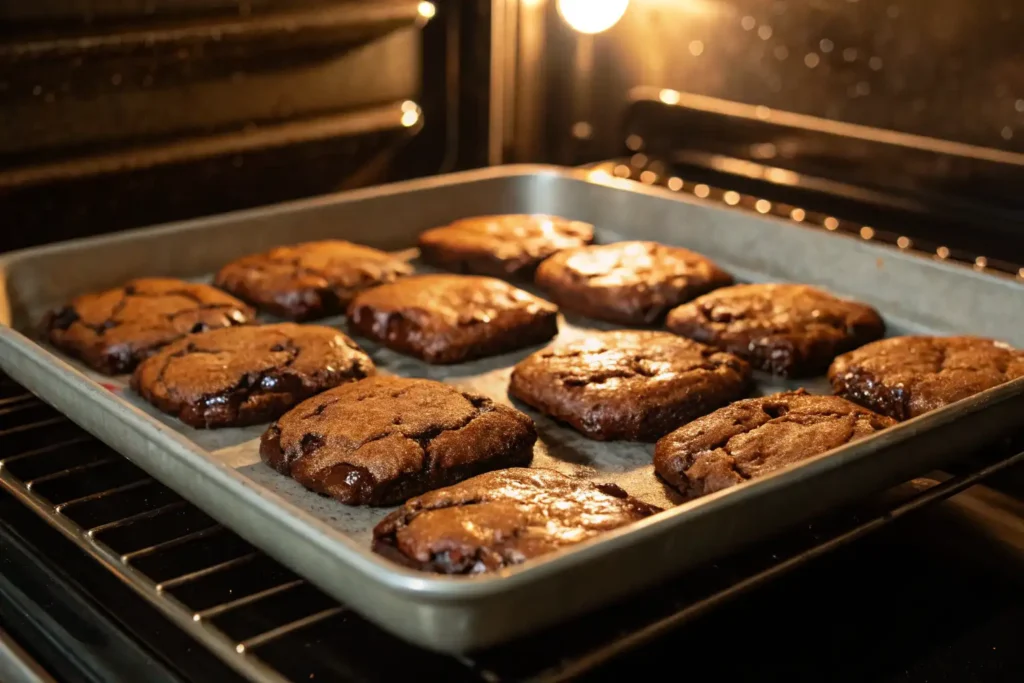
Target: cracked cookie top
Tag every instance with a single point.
(629, 384)
(113, 331)
(632, 283)
(383, 439)
(788, 330)
(453, 318)
(309, 280)
(757, 436)
(502, 246)
(501, 519)
(904, 377)
(247, 375)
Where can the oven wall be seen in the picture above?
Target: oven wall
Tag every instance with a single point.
(122, 113)
(941, 68)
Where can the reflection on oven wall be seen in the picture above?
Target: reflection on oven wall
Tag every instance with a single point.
(123, 113)
(939, 68)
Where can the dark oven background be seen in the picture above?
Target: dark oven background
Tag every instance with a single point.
(122, 113)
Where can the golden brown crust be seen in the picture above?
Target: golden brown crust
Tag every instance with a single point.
(787, 330)
(631, 283)
(904, 377)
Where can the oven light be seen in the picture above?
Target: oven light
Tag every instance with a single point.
(592, 16)
(669, 96)
(426, 10)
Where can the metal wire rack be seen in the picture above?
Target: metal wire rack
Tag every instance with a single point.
(651, 171)
(271, 625)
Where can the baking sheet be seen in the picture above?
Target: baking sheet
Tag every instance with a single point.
(221, 472)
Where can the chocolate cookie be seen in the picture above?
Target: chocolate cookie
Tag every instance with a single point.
(310, 280)
(502, 246)
(757, 436)
(113, 331)
(631, 384)
(501, 519)
(787, 330)
(452, 318)
(904, 377)
(382, 440)
(631, 283)
(247, 375)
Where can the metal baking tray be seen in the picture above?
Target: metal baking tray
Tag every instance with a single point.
(327, 542)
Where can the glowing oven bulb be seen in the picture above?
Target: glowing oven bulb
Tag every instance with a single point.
(592, 16)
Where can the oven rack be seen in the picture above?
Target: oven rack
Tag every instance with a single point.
(650, 170)
(255, 615)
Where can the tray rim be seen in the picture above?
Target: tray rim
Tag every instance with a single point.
(395, 578)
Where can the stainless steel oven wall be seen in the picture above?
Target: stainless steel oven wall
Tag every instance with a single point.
(941, 68)
(115, 114)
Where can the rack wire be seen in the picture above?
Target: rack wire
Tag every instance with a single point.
(271, 625)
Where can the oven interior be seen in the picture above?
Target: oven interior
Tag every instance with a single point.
(889, 121)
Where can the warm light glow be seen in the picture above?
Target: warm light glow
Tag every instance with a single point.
(798, 215)
(675, 184)
(763, 206)
(592, 16)
(831, 223)
(426, 10)
(410, 118)
(648, 177)
(582, 130)
(702, 190)
(731, 198)
(669, 96)
(782, 176)
(903, 243)
(867, 233)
